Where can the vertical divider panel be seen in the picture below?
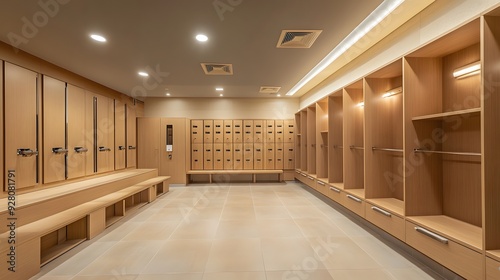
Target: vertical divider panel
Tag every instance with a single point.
(335, 139)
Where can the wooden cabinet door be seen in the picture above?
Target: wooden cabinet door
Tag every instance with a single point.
(289, 131)
(247, 131)
(238, 131)
(269, 156)
(218, 131)
(228, 156)
(148, 142)
(173, 163)
(131, 143)
(238, 156)
(54, 130)
(228, 131)
(258, 156)
(270, 131)
(208, 156)
(197, 131)
(197, 157)
(247, 156)
(258, 131)
(219, 156)
(105, 134)
(80, 133)
(120, 137)
(208, 131)
(20, 87)
(279, 156)
(279, 131)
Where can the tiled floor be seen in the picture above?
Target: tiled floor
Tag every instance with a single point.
(235, 231)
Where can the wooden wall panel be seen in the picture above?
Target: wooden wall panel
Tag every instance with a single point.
(173, 163)
(148, 142)
(335, 140)
(353, 136)
(78, 135)
(20, 123)
(131, 141)
(120, 136)
(105, 134)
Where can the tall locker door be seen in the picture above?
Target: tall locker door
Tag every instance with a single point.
(248, 156)
(105, 134)
(258, 156)
(228, 156)
(80, 139)
(131, 143)
(218, 131)
(238, 156)
(208, 156)
(289, 156)
(90, 130)
(120, 137)
(258, 130)
(208, 131)
(173, 163)
(279, 156)
(2, 131)
(279, 130)
(218, 156)
(237, 131)
(248, 131)
(270, 131)
(197, 131)
(289, 131)
(148, 142)
(54, 130)
(269, 156)
(228, 131)
(21, 150)
(197, 156)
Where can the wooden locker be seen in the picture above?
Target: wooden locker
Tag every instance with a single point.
(279, 131)
(218, 131)
(247, 131)
(279, 156)
(289, 131)
(238, 156)
(54, 130)
(258, 156)
(208, 156)
(228, 156)
(131, 124)
(80, 160)
(228, 131)
(269, 156)
(258, 131)
(20, 95)
(208, 131)
(248, 156)
(270, 131)
(148, 142)
(219, 156)
(173, 163)
(105, 133)
(289, 156)
(197, 157)
(2, 131)
(197, 131)
(120, 137)
(238, 131)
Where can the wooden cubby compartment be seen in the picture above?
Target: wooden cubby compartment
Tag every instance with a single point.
(384, 177)
(136, 200)
(115, 212)
(322, 140)
(298, 142)
(311, 140)
(335, 139)
(443, 114)
(62, 240)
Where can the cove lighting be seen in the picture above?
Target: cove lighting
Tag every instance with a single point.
(98, 38)
(393, 91)
(467, 70)
(372, 20)
(201, 38)
(144, 74)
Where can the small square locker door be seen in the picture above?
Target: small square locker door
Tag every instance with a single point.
(197, 157)
(289, 131)
(270, 131)
(228, 156)
(258, 131)
(248, 131)
(289, 156)
(218, 156)
(258, 156)
(218, 131)
(208, 131)
(208, 156)
(238, 156)
(197, 131)
(279, 155)
(279, 130)
(248, 156)
(269, 156)
(237, 131)
(228, 131)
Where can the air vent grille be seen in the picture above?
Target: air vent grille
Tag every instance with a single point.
(217, 68)
(269, 90)
(297, 38)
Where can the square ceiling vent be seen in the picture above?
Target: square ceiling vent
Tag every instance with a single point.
(217, 68)
(269, 90)
(298, 39)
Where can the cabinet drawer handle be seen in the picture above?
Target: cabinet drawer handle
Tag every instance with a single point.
(81, 150)
(104, 149)
(432, 235)
(321, 183)
(335, 189)
(310, 178)
(304, 175)
(26, 152)
(59, 150)
(354, 198)
(121, 148)
(381, 211)
(131, 147)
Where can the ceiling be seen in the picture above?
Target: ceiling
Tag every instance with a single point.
(159, 36)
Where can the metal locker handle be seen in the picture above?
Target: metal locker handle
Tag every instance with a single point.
(381, 211)
(131, 147)
(432, 235)
(354, 198)
(335, 189)
(24, 152)
(81, 150)
(321, 183)
(59, 150)
(121, 148)
(104, 149)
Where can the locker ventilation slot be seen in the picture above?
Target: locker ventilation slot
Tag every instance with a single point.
(297, 38)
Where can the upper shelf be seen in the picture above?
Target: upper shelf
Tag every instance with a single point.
(442, 116)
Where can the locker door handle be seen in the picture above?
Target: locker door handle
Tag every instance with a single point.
(432, 235)
(24, 152)
(335, 189)
(381, 211)
(104, 149)
(59, 150)
(121, 148)
(131, 147)
(81, 150)
(354, 198)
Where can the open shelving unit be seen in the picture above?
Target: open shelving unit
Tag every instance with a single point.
(311, 140)
(58, 242)
(335, 139)
(115, 212)
(303, 140)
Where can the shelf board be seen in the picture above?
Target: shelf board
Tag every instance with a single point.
(58, 250)
(356, 192)
(494, 254)
(134, 207)
(392, 205)
(110, 221)
(463, 233)
(442, 116)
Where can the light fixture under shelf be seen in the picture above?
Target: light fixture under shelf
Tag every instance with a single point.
(467, 70)
(392, 92)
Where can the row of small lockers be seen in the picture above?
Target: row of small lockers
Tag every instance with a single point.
(242, 131)
(237, 156)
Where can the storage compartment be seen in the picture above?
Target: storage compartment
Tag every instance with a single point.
(258, 131)
(288, 156)
(219, 156)
(120, 136)
(115, 212)
(269, 156)
(302, 139)
(258, 156)
(335, 192)
(311, 140)
(58, 242)
(279, 155)
(335, 139)
(270, 131)
(197, 157)
(237, 131)
(228, 131)
(208, 131)
(197, 131)
(322, 140)
(248, 131)
(289, 131)
(353, 199)
(238, 156)
(492, 269)
(248, 156)
(228, 157)
(137, 200)
(218, 131)
(208, 156)
(382, 215)
(279, 131)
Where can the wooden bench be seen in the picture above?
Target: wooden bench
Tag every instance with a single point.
(252, 172)
(40, 241)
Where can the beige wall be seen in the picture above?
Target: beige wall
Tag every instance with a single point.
(222, 108)
(438, 19)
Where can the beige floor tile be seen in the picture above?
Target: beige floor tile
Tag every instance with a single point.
(237, 229)
(382, 253)
(235, 255)
(267, 201)
(234, 276)
(170, 214)
(278, 228)
(319, 227)
(304, 212)
(180, 256)
(118, 231)
(271, 212)
(291, 201)
(180, 276)
(182, 203)
(289, 254)
(152, 231)
(313, 274)
(239, 201)
(330, 212)
(197, 229)
(107, 277)
(50, 277)
(350, 228)
(210, 202)
(410, 274)
(238, 213)
(372, 274)
(206, 213)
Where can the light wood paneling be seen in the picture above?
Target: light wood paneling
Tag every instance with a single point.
(79, 138)
(298, 141)
(218, 131)
(279, 131)
(385, 220)
(248, 156)
(54, 130)
(269, 156)
(492, 269)
(174, 163)
(20, 87)
(228, 156)
(335, 139)
(208, 131)
(197, 157)
(120, 135)
(302, 139)
(289, 131)
(197, 131)
(148, 142)
(2, 130)
(238, 159)
(131, 124)
(238, 131)
(259, 131)
(311, 139)
(353, 138)
(248, 131)
(228, 131)
(90, 133)
(280, 156)
(208, 156)
(258, 156)
(322, 133)
(219, 156)
(105, 134)
(288, 156)
(270, 132)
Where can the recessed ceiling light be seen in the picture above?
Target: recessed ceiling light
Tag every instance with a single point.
(167, 94)
(98, 38)
(221, 95)
(278, 95)
(219, 89)
(144, 74)
(201, 38)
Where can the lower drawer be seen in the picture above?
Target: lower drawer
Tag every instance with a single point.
(385, 220)
(322, 187)
(335, 194)
(492, 269)
(460, 259)
(353, 203)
